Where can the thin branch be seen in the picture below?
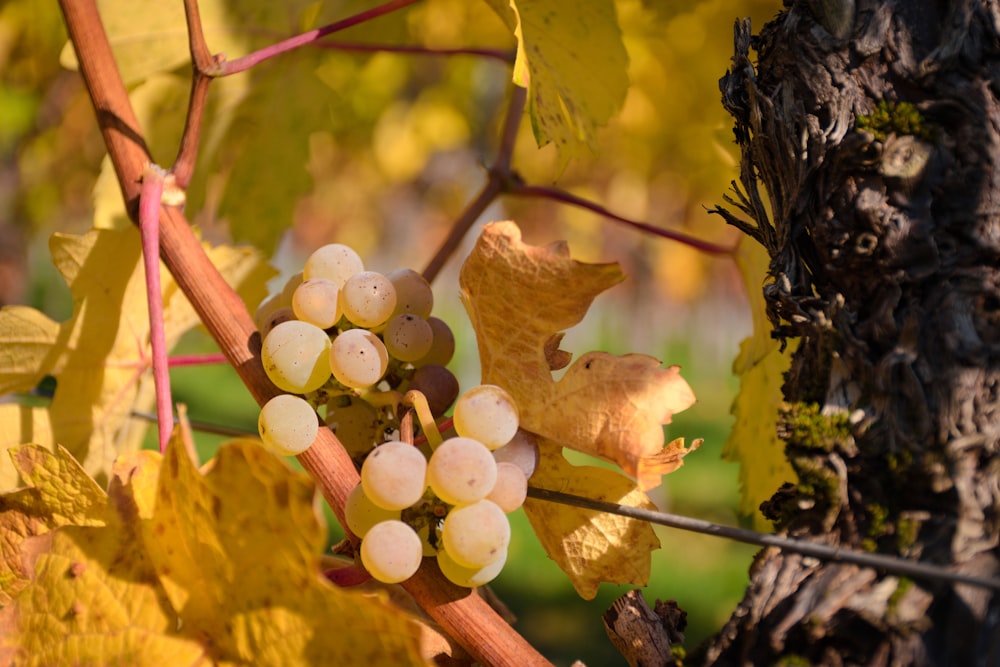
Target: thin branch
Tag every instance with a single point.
(519, 189)
(149, 233)
(197, 359)
(360, 47)
(251, 59)
(202, 426)
(187, 153)
(824, 552)
(491, 189)
(201, 54)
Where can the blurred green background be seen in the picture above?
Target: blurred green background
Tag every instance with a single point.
(384, 159)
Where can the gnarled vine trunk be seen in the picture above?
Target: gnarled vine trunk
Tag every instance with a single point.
(874, 128)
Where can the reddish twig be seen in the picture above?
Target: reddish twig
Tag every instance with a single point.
(197, 359)
(251, 59)
(359, 47)
(518, 189)
(150, 199)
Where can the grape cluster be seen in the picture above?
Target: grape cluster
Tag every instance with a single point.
(346, 343)
(337, 331)
(452, 504)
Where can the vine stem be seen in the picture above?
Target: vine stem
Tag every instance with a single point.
(197, 359)
(466, 617)
(519, 189)
(150, 198)
(251, 59)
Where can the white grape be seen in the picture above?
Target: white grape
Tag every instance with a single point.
(461, 471)
(442, 345)
(287, 424)
(289, 288)
(316, 301)
(358, 359)
(488, 414)
(408, 337)
(394, 475)
(469, 577)
(368, 299)
(264, 309)
(413, 293)
(334, 261)
(476, 535)
(391, 551)
(295, 356)
(274, 318)
(361, 513)
(522, 450)
(511, 487)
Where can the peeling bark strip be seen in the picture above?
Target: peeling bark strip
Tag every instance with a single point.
(874, 130)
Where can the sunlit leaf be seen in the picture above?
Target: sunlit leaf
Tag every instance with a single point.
(237, 550)
(590, 546)
(58, 492)
(520, 298)
(178, 567)
(571, 58)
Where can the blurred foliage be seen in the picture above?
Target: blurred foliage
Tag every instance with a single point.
(382, 151)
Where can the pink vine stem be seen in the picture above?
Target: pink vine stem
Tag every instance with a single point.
(197, 359)
(150, 197)
(249, 60)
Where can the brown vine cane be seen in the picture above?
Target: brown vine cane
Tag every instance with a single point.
(463, 615)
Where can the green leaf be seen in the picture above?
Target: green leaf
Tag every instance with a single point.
(572, 60)
(760, 365)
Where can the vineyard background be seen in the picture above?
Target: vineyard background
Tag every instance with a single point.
(389, 167)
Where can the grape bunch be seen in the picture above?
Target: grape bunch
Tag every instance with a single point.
(450, 505)
(342, 336)
(347, 345)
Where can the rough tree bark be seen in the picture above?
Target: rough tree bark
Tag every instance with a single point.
(874, 131)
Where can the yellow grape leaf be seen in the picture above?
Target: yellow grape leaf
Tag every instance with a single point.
(571, 58)
(100, 357)
(21, 424)
(87, 595)
(626, 401)
(237, 550)
(92, 600)
(58, 493)
(519, 298)
(27, 337)
(592, 547)
(176, 567)
(760, 365)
